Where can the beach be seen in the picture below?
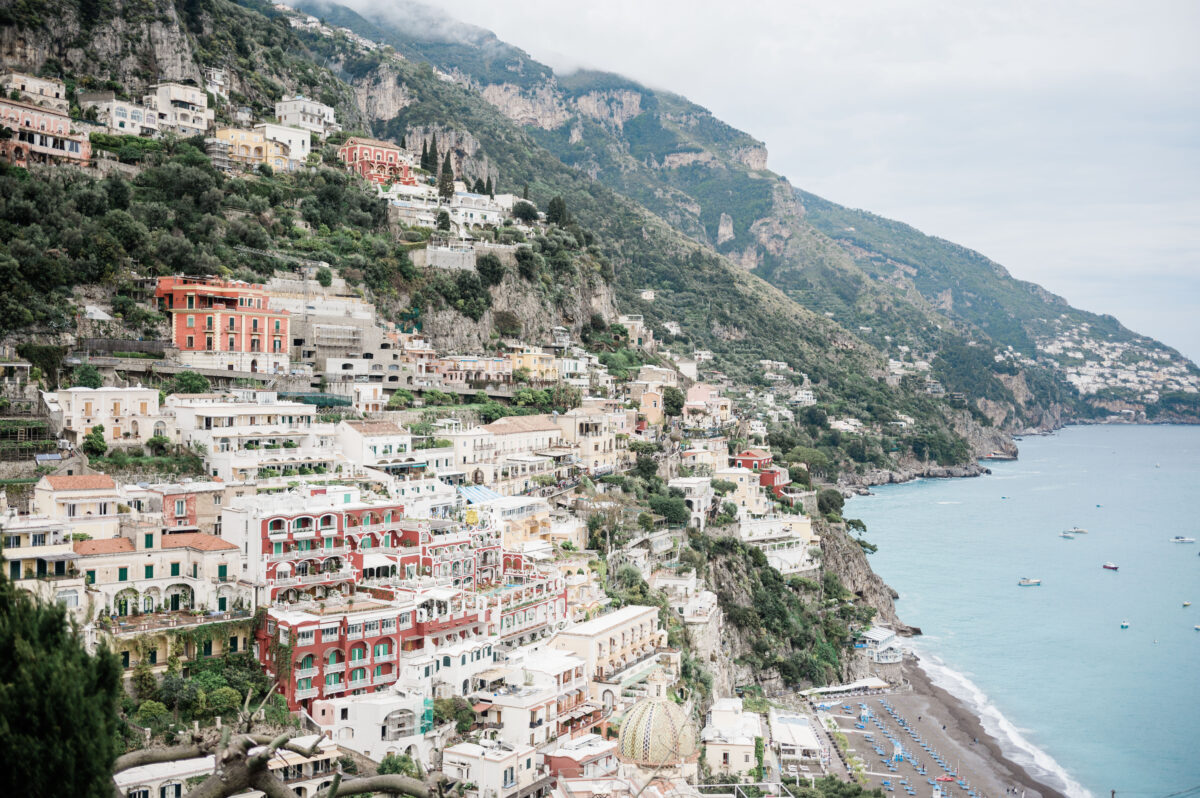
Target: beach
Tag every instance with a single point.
(969, 751)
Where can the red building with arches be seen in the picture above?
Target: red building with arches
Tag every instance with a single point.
(381, 162)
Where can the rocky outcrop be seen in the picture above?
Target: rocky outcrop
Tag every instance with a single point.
(843, 556)
(674, 160)
(612, 108)
(752, 156)
(538, 107)
(381, 95)
(138, 43)
(725, 229)
(860, 483)
(538, 312)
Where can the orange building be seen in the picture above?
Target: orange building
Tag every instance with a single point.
(224, 323)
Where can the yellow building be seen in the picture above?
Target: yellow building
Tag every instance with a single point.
(540, 365)
(251, 148)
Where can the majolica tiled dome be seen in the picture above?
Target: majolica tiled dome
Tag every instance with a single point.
(656, 731)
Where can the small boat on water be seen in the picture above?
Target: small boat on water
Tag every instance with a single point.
(1187, 603)
(1077, 530)
(1027, 582)
(1109, 566)
(1066, 535)
(1182, 539)
(1124, 624)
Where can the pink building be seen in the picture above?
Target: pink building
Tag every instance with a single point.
(40, 136)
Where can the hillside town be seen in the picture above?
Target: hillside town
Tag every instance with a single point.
(419, 580)
(478, 561)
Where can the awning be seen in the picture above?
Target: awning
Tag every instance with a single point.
(477, 494)
(492, 674)
(373, 560)
(70, 555)
(482, 706)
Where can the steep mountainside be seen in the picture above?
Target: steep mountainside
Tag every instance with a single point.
(1031, 356)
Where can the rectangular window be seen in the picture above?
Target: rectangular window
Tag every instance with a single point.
(195, 570)
(180, 508)
(149, 540)
(149, 571)
(37, 539)
(222, 572)
(191, 342)
(152, 657)
(233, 645)
(122, 574)
(306, 638)
(191, 321)
(91, 577)
(231, 322)
(174, 569)
(208, 648)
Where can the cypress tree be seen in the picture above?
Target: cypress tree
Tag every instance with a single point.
(479, 187)
(424, 155)
(433, 154)
(446, 179)
(487, 188)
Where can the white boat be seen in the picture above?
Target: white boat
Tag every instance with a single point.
(1077, 530)
(1187, 603)
(1182, 539)
(1124, 624)
(1066, 535)
(1027, 582)
(1109, 566)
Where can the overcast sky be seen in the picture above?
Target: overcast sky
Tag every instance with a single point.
(1061, 139)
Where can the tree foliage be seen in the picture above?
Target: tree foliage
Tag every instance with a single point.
(58, 703)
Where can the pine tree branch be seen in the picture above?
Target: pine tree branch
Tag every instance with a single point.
(153, 756)
(266, 739)
(260, 759)
(393, 784)
(271, 785)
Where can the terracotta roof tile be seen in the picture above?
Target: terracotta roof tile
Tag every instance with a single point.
(82, 482)
(196, 540)
(109, 546)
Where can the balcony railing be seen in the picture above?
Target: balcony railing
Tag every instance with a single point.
(340, 687)
(305, 673)
(357, 683)
(388, 657)
(335, 667)
(309, 692)
(385, 678)
(312, 579)
(301, 554)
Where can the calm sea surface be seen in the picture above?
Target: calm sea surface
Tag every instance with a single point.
(1081, 702)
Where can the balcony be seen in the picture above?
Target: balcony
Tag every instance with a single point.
(357, 683)
(365, 528)
(311, 579)
(304, 673)
(335, 667)
(330, 689)
(310, 692)
(356, 634)
(301, 554)
(388, 657)
(385, 678)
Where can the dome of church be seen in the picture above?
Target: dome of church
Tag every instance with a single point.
(656, 731)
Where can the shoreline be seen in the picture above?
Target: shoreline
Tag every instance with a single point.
(964, 725)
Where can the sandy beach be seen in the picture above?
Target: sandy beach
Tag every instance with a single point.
(947, 727)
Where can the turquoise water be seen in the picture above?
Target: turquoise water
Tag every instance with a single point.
(1084, 704)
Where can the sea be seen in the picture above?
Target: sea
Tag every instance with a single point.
(1085, 705)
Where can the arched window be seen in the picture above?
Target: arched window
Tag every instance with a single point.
(398, 724)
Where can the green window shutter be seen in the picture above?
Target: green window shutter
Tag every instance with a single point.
(174, 569)
(149, 571)
(149, 540)
(91, 577)
(222, 572)
(122, 574)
